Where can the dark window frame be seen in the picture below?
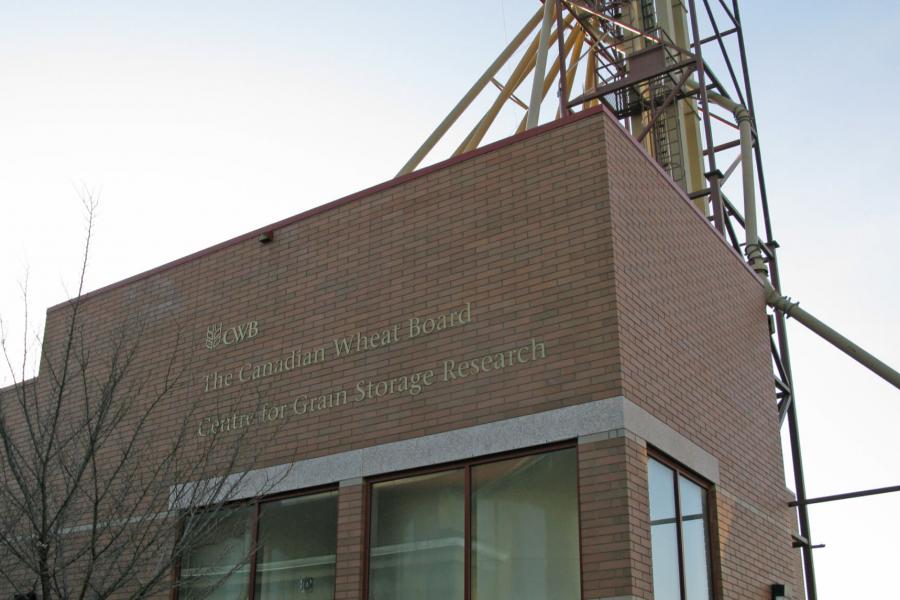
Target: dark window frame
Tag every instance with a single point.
(711, 529)
(256, 503)
(467, 466)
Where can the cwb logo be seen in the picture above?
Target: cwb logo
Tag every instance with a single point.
(217, 335)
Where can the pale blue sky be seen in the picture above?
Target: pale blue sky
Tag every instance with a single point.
(198, 121)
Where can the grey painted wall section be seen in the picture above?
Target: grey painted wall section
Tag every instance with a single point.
(600, 419)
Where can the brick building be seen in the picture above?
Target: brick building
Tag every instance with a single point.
(533, 371)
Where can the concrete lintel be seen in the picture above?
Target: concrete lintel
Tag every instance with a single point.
(658, 434)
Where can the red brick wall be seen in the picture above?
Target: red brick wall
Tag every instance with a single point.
(349, 558)
(615, 548)
(521, 232)
(695, 354)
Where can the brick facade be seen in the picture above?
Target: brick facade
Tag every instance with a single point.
(564, 252)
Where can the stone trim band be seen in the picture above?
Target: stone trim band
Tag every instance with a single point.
(611, 417)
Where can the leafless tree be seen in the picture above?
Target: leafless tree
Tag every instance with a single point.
(90, 507)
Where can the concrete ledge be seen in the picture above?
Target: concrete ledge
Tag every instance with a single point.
(658, 434)
(597, 420)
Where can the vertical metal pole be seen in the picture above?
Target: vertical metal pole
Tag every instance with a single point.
(540, 67)
(590, 77)
(563, 88)
(756, 147)
(809, 570)
(713, 178)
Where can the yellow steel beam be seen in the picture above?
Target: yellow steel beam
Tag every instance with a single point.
(526, 64)
(467, 99)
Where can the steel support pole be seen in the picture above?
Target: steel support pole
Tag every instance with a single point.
(715, 193)
(540, 66)
(563, 88)
(574, 39)
(809, 570)
(745, 71)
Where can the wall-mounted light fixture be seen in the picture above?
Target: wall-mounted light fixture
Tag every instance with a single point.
(266, 236)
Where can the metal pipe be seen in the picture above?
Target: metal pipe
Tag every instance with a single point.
(742, 116)
(752, 248)
(467, 99)
(792, 309)
(745, 127)
(540, 66)
(754, 254)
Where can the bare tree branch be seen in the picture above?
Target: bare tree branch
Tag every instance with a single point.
(89, 506)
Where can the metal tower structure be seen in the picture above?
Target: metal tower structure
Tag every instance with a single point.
(674, 72)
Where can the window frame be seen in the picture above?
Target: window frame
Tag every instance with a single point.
(467, 466)
(254, 518)
(711, 536)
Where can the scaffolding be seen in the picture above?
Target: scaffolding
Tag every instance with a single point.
(655, 65)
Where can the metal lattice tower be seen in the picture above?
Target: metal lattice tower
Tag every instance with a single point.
(674, 73)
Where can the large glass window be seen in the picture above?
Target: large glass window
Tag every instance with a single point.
(497, 530)
(218, 566)
(296, 553)
(678, 535)
(417, 541)
(271, 550)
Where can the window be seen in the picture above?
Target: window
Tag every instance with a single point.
(217, 566)
(505, 529)
(678, 534)
(295, 543)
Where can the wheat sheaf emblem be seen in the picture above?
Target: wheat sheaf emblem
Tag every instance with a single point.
(213, 336)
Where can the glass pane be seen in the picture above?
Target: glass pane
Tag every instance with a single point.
(525, 528)
(693, 532)
(297, 542)
(218, 567)
(691, 496)
(663, 532)
(662, 491)
(417, 544)
(664, 543)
